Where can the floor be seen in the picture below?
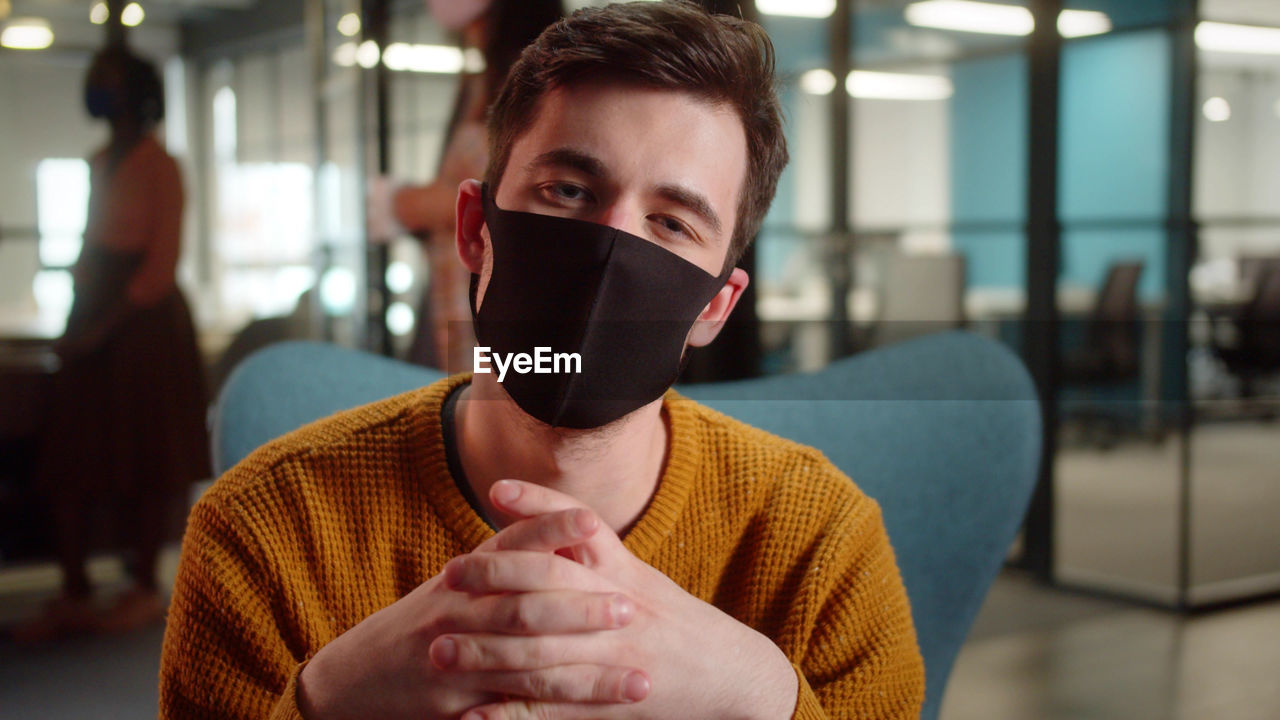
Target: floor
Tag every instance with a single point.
(1117, 512)
(1042, 654)
(1034, 654)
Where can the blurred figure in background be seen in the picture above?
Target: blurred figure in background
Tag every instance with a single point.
(126, 431)
(500, 29)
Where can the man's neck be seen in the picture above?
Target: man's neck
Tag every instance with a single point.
(614, 470)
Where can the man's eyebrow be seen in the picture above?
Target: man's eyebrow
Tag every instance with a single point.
(573, 159)
(694, 201)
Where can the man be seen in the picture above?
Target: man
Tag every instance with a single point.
(571, 544)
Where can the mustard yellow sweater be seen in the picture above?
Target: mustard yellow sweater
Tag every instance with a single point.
(320, 529)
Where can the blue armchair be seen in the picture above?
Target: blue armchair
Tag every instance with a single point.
(944, 432)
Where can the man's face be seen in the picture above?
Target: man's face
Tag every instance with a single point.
(658, 164)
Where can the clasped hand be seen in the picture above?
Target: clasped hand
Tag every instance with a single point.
(551, 618)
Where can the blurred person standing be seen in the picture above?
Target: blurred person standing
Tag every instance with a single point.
(126, 432)
(500, 29)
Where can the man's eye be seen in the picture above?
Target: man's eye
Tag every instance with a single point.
(672, 225)
(564, 191)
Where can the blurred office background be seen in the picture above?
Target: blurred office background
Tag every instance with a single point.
(1094, 182)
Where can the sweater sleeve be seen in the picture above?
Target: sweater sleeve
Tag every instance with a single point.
(861, 659)
(224, 653)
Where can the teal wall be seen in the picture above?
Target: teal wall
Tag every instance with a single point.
(1114, 155)
(989, 167)
(1113, 144)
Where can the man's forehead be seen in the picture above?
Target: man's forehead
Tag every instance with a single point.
(601, 128)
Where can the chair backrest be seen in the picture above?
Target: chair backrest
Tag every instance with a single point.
(944, 432)
(918, 295)
(284, 386)
(922, 288)
(1259, 321)
(1112, 329)
(1118, 297)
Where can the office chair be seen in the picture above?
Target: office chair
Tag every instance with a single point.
(943, 431)
(1256, 352)
(1109, 355)
(918, 295)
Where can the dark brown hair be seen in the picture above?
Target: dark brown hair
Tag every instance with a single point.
(670, 46)
(512, 25)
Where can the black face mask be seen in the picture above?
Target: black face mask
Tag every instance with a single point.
(99, 102)
(623, 304)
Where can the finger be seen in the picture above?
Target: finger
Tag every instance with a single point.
(533, 710)
(484, 653)
(548, 613)
(514, 571)
(570, 684)
(521, 499)
(524, 499)
(546, 533)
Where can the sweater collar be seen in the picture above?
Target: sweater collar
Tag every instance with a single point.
(643, 539)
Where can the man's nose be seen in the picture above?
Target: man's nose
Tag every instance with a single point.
(623, 215)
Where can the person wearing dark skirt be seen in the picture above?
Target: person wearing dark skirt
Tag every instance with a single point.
(126, 432)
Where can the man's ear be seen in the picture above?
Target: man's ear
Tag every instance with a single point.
(713, 316)
(469, 235)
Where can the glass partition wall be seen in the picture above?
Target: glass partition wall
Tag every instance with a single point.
(932, 185)
(1165, 478)
(1165, 359)
(1234, 350)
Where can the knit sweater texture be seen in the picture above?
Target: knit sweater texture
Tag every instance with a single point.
(316, 531)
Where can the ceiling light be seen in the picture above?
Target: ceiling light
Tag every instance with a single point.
(99, 13)
(897, 86)
(1217, 109)
(368, 54)
(399, 277)
(1082, 23)
(345, 54)
(473, 60)
(132, 15)
(400, 319)
(338, 291)
(997, 19)
(423, 58)
(869, 85)
(27, 34)
(818, 81)
(349, 25)
(797, 8)
(1225, 37)
(968, 16)
(5, 8)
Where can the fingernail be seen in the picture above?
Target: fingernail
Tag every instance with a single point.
(635, 687)
(506, 492)
(621, 609)
(444, 652)
(584, 521)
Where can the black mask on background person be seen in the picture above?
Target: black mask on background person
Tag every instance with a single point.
(100, 102)
(624, 304)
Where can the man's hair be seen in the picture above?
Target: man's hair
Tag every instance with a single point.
(673, 45)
